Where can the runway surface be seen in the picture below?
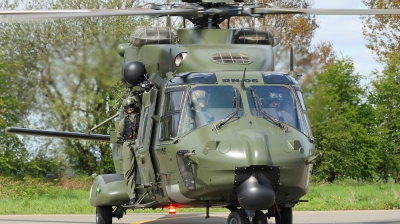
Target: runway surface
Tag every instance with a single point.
(329, 217)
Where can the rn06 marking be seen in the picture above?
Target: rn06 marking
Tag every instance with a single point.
(239, 80)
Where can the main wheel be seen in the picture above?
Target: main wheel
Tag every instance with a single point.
(260, 218)
(286, 216)
(103, 215)
(237, 217)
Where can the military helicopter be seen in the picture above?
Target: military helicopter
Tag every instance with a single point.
(219, 127)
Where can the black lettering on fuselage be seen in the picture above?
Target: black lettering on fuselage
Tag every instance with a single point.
(238, 80)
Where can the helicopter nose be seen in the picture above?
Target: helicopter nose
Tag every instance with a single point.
(256, 193)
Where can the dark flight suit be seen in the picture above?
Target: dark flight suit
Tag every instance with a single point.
(127, 134)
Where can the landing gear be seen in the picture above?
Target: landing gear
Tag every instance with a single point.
(103, 215)
(237, 217)
(240, 217)
(286, 216)
(260, 218)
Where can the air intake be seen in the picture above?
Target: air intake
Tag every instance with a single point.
(231, 58)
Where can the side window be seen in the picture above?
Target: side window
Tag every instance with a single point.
(171, 113)
(143, 123)
(306, 125)
(301, 99)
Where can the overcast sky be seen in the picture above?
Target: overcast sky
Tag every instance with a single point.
(345, 33)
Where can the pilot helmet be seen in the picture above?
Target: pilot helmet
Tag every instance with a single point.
(197, 95)
(129, 102)
(273, 97)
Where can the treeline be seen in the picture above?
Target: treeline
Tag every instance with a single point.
(355, 124)
(64, 75)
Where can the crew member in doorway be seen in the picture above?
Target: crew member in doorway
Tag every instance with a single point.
(127, 134)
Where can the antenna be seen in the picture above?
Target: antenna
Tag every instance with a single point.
(242, 82)
(291, 60)
(292, 72)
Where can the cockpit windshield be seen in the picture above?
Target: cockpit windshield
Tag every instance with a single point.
(279, 103)
(206, 104)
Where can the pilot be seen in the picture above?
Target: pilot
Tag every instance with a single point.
(127, 134)
(274, 109)
(200, 106)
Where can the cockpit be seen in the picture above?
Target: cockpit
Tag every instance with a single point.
(279, 103)
(206, 104)
(193, 100)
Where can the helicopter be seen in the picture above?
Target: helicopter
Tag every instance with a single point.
(247, 146)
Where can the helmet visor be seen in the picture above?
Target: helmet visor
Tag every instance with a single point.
(132, 105)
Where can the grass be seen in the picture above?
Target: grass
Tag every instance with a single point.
(351, 195)
(39, 196)
(71, 196)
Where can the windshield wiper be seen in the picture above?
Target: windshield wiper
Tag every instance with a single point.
(257, 103)
(233, 114)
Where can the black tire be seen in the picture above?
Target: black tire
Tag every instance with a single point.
(286, 216)
(103, 215)
(237, 217)
(260, 218)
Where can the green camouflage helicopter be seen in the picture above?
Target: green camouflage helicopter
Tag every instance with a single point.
(218, 127)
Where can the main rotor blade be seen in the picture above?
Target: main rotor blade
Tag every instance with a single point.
(28, 15)
(250, 10)
(267, 11)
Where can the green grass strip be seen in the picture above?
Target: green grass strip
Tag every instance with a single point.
(36, 196)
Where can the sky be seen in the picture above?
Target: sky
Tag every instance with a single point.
(345, 33)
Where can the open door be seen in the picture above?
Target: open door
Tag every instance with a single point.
(143, 157)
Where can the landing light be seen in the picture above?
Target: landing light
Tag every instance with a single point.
(179, 58)
(171, 210)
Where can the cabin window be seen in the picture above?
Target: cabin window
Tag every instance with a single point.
(206, 104)
(280, 103)
(171, 113)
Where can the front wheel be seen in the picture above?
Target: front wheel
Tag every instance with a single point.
(260, 218)
(285, 216)
(237, 217)
(103, 215)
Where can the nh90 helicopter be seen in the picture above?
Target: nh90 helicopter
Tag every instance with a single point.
(218, 127)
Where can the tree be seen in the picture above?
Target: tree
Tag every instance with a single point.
(9, 145)
(385, 96)
(13, 107)
(336, 109)
(75, 66)
(382, 31)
